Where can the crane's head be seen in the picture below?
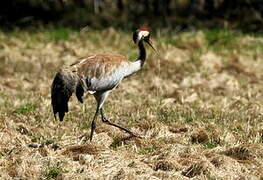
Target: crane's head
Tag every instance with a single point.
(142, 34)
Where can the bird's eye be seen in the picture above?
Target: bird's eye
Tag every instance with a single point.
(146, 37)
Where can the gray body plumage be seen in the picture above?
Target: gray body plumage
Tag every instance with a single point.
(109, 82)
(68, 81)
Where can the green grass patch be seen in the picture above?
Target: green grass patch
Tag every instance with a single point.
(26, 109)
(172, 41)
(216, 35)
(84, 125)
(170, 116)
(146, 150)
(210, 145)
(59, 34)
(37, 138)
(221, 39)
(52, 171)
(49, 141)
(42, 140)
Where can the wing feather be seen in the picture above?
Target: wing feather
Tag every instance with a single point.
(103, 71)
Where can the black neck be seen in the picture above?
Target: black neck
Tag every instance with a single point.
(142, 55)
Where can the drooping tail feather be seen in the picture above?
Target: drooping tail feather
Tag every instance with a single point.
(64, 84)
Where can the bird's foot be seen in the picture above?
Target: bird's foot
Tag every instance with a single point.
(133, 134)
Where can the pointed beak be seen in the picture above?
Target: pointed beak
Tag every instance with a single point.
(148, 41)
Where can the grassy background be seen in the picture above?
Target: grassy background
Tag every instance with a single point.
(199, 108)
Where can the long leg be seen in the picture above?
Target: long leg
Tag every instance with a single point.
(116, 125)
(100, 98)
(93, 124)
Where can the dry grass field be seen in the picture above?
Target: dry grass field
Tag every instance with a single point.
(199, 108)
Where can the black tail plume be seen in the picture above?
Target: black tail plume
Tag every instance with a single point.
(64, 84)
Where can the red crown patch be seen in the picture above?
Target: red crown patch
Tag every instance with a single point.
(144, 29)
